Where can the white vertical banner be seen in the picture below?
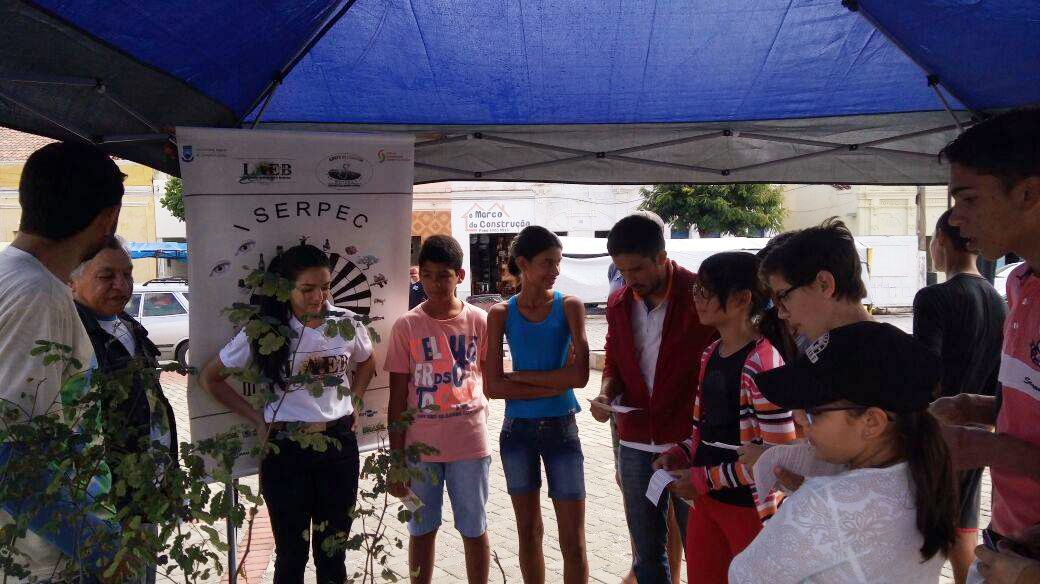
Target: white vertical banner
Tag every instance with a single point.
(251, 192)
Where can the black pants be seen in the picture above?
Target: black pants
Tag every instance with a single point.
(303, 487)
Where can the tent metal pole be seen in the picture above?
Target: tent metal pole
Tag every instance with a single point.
(628, 150)
(538, 164)
(103, 92)
(612, 154)
(446, 169)
(857, 6)
(917, 134)
(789, 159)
(870, 146)
(933, 82)
(675, 142)
(536, 145)
(804, 142)
(439, 141)
(119, 138)
(663, 164)
(68, 128)
(97, 84)
(263, 108)
(297, 57)
(44, 79)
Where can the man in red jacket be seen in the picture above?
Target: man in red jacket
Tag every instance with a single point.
(654, 338)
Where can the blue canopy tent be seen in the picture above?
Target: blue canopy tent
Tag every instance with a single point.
(635, 91)
(167, 250)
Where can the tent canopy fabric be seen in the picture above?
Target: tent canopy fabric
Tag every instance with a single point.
(169, 250)
(862, 91)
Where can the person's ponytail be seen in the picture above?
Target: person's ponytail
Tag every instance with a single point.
(920, 440)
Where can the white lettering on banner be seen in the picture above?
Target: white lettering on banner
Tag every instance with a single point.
(259, 198)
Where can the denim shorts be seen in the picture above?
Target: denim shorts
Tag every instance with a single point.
(526, 442)
(467, 482)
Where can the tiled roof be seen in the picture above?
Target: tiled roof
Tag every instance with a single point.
(16, 146)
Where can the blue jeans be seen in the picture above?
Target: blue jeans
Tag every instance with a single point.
(467, 485)
(647, 523)
(527, 442)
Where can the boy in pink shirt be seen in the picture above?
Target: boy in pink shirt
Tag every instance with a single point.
(434, 363)
(995, 181)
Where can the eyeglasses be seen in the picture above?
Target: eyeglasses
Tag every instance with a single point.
(780, 298)
(701, 292)
(812, 412)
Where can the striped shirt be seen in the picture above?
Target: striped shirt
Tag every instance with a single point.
(1016, 497)
(761, 422)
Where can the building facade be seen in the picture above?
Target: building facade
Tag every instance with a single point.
(485, 216)
(867, 210)
(138, 220)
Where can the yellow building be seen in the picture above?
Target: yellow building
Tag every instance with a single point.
(136, 220)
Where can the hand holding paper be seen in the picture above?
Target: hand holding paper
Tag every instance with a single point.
(658, 483)
(614, 406)
(411, 501)
(796, 457)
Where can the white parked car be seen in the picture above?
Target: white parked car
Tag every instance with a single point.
(1000, 280)
(161, 305)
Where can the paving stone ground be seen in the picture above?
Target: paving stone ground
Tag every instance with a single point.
(609, 549)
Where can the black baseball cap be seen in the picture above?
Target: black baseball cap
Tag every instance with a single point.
(868, 363)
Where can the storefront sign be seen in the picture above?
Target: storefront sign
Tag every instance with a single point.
(493, 216)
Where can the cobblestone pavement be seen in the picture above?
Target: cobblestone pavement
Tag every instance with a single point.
(607, 537)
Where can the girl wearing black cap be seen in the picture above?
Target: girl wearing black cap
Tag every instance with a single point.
(861, 394)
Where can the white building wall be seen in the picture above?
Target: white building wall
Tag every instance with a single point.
(809, 205)
(167, 226)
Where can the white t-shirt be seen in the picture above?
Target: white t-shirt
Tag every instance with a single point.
(858, 526)
(311, 352)
(115, 327)
(36, 305)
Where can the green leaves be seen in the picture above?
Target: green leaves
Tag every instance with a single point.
(270, 343)
(173, 198)
(736, 209)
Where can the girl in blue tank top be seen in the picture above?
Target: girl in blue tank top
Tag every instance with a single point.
(546, 335)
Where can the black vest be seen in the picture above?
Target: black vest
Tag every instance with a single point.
(134, 411)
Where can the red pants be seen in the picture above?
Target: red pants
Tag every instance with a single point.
(715, 533)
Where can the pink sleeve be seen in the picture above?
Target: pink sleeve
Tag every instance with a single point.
(398, 359)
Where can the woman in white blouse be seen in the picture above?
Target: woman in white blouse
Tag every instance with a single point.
(861, 393)
(309, 486)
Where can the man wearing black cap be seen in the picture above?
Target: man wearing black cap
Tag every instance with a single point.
(861, 394)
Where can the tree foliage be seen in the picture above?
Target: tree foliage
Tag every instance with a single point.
(735, 209)
(64, 471)
(173, 199)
